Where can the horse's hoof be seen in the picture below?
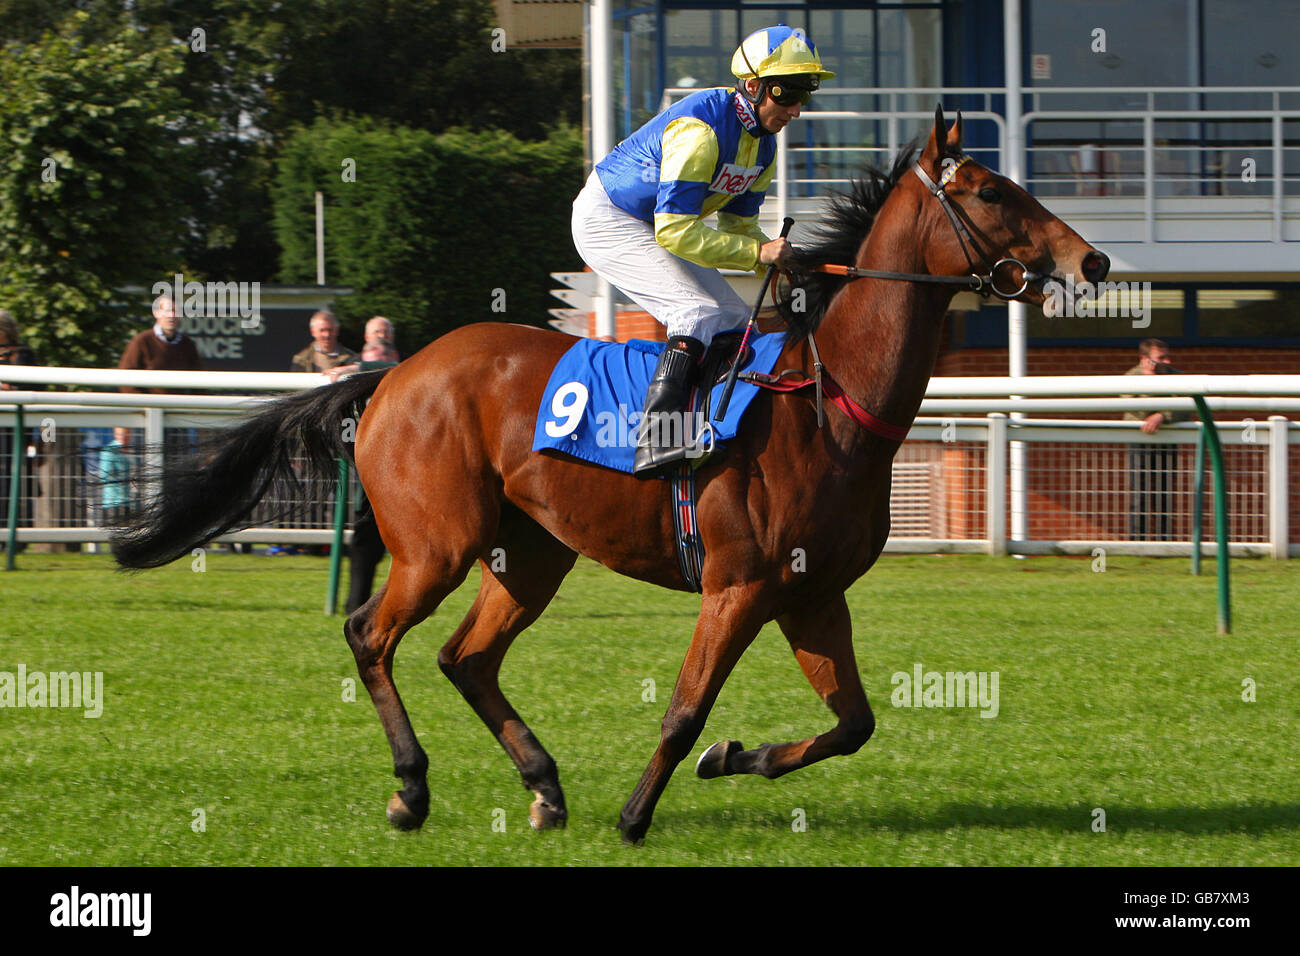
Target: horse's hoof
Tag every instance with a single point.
(544, 815)
(632, 835)
(400, 815)
(713, 762)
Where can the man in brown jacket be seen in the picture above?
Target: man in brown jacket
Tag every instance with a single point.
(162, 348)
(325, 352)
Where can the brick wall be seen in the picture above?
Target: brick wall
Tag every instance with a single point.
(1066, 498)
(631, 325)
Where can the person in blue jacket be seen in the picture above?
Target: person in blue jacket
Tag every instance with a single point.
(640, 223)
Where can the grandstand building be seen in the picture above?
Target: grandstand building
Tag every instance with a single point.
(1166, 132)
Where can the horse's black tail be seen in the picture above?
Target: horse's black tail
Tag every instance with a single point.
(216, 491)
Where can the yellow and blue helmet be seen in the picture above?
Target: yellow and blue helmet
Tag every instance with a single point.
(779, 51)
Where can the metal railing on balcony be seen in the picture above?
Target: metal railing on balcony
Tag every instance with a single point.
(1165, 164)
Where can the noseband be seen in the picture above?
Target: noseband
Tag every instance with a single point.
(982, 285)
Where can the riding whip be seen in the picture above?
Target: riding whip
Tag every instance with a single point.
(749, 328)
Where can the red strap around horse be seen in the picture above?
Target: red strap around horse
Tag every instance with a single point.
(786, 382)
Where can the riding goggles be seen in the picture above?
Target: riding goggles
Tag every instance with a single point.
(787, 91)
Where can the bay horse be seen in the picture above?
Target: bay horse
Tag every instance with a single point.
(443, 451)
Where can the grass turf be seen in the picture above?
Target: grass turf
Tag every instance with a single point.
(226, 705)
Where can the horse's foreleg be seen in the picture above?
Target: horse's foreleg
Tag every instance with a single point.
(511, 597)
(728, 623)
(822, 643)
(373, 632)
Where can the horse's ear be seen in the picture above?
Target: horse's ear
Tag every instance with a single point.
(940, 132)
(953, 139)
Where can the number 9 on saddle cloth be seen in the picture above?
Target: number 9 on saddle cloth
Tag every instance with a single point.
(591, 408)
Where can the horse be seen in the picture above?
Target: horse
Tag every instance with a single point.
(443, 451)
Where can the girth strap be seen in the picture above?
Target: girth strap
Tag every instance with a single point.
(681, 484)
(686, 527)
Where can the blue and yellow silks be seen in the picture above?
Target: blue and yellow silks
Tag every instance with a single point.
(704, 154)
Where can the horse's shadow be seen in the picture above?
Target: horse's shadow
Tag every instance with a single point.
(169, 604)
(1251, 818)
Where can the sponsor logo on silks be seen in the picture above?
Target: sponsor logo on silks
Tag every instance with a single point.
(745, 113)
(734, 180)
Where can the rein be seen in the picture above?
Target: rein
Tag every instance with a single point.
(983, 285)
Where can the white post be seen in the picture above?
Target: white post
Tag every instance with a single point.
(995, 485)
(154, 434)
(602, 131)
(1278, 493)
(1278, 168)
(320, 238)
(1149, 175)
(1014, 169)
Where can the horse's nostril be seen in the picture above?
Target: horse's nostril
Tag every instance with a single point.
(1095, 266)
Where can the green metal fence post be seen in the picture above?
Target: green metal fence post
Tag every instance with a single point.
(1198, 502)
(336, 550)
(15, 486)
(1220, 512)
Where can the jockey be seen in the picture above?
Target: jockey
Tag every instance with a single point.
(639, 221)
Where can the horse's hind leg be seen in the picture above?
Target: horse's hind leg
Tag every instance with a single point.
(412, 592)
(519, 581)
(821, 638)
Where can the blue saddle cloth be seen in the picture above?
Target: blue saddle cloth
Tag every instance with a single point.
(591, 408)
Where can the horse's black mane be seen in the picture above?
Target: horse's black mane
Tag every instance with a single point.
(836, 240)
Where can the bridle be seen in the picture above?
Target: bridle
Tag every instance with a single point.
(983, 285)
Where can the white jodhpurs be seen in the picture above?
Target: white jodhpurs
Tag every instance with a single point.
(685, 298)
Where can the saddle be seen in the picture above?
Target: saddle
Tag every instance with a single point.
(589, 410)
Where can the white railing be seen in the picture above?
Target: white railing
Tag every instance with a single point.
(1085, 486)
(60, 426)
(952, 474)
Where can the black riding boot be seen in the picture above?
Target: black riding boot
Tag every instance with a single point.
(664, 437)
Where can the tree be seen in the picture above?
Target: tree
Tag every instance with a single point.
(431, 231)
(423, 64)
(241, 77)
(92, 187)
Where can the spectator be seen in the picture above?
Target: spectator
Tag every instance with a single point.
(367, 548)
(379, 329)
(163, 348)
(322, 356)
(1152, 468)
(378, 353)
(115, 474)
(13, 352)
(325, 352)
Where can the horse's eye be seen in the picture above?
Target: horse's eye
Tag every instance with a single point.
(989, 194)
